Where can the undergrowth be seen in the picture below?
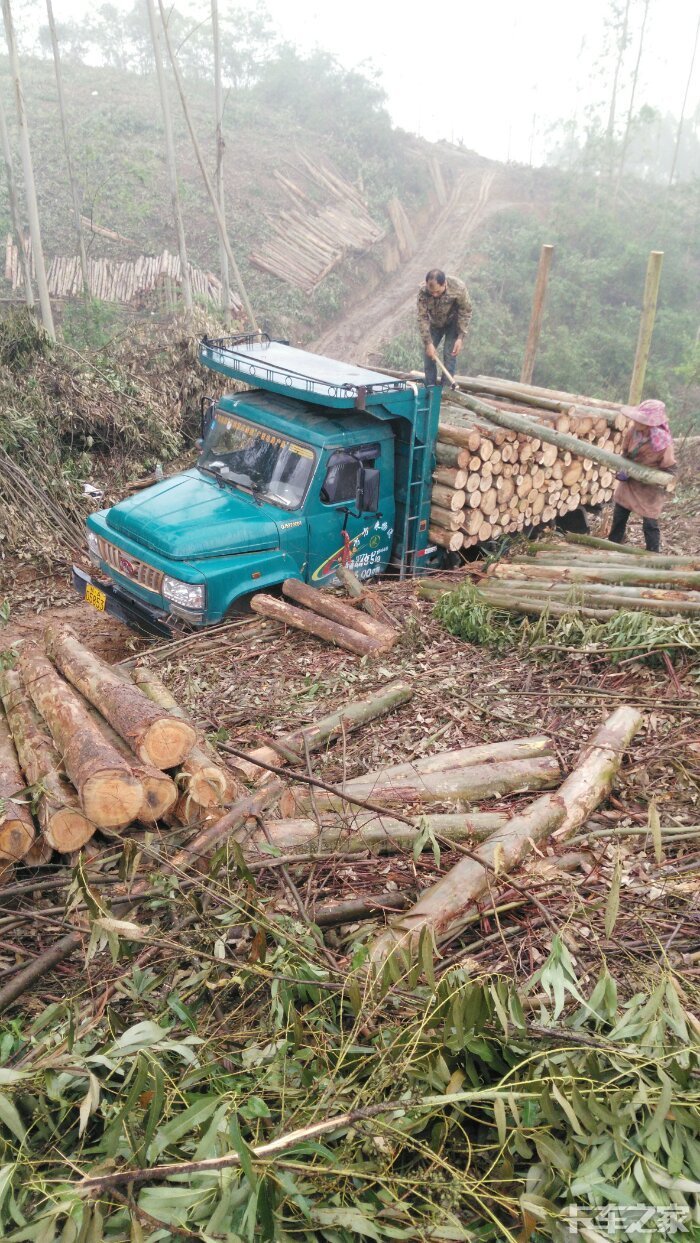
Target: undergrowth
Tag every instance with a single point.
(469, 1118)
(102, 414)
(628, 635)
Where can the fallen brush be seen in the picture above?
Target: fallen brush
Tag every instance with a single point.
(478, 615)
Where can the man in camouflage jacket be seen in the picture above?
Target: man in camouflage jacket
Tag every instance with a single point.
(444, 310)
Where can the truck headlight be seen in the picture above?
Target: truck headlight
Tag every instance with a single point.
(187, 595)
(93, 547)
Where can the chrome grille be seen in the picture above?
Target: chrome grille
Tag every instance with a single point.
(130, 567)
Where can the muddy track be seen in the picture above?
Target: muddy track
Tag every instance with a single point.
(374, 320)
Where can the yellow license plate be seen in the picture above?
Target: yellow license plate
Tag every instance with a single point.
(95, 597)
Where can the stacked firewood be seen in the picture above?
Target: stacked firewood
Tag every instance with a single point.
(521, 459)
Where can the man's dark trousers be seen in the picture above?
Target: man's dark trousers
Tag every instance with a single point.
(449, 332)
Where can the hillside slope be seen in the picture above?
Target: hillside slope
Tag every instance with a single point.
(489, 231)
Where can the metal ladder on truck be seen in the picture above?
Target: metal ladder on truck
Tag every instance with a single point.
(419, 480)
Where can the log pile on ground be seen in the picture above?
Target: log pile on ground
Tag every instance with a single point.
(307, 239)
(127, 281)
(85, 748)
(356, 630)
(581, 576)
(511, 456)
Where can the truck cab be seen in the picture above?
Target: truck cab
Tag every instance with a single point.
(320, 464)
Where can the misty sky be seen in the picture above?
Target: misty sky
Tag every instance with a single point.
(494, 75)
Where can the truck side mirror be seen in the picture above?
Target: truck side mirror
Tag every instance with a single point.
(368, 491)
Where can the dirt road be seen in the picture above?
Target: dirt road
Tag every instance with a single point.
(376, 319)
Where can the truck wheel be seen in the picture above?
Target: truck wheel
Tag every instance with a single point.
(241, 606)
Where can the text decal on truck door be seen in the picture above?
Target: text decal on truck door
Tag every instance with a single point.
(369, 551)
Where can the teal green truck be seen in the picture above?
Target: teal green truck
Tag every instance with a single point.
(318, 464)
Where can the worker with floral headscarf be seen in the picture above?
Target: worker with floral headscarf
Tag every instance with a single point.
(649, 442)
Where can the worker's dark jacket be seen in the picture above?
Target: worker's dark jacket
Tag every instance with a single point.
(452, 307)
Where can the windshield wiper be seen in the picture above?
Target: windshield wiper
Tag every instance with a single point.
(239, 481)
(209, 470)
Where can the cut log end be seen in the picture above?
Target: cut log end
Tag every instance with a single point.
(68, 830)
(159, 796)
(167, 743)
(112, 799)
(15, 840)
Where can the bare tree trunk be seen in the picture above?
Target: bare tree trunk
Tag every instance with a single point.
(221, 223)
(170, 157)
(621, 48)
(220, 148)
(14, 209)
(28, 169)
(66, 143)
(683, 106)
(630, 110)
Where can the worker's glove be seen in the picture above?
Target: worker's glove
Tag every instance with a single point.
(622, 476)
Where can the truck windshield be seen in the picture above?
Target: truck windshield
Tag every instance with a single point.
(259, 461)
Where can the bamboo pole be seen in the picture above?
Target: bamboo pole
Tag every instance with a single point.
(28, 169)
(646, 328)
(538, 301)
(221, 223)
(170, 159)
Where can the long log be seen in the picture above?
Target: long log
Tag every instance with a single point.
(593, 541)
(312, 737)
(602, 590)
(338, 611)
(464, 757)
(569, 399)
(583, 448)
(157, 737)
(311, 623)
(447, 498)
(443, 909)
(110, 794)
(467, 784)
(64, 825)
(369, 599)
(206, 781)
(556, 555)
(368, 831)
(16, 825)
(585, 574)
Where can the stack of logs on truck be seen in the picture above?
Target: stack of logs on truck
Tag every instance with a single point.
(511, 457)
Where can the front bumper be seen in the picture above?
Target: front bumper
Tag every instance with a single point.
(148, 621)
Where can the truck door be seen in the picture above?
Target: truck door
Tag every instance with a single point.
(353, 518)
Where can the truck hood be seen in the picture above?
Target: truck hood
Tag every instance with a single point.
(191, 516)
